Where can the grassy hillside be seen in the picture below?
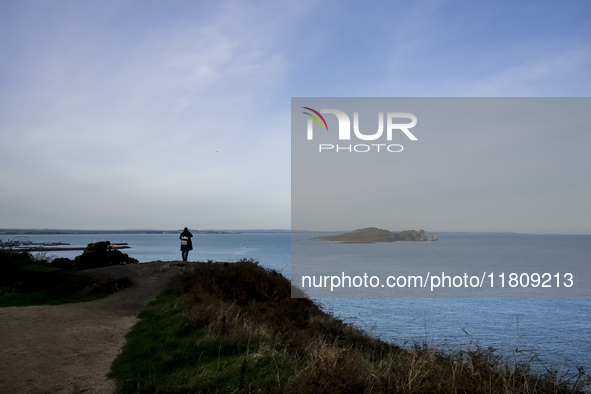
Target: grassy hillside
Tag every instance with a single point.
(233, 328)
(26, 279)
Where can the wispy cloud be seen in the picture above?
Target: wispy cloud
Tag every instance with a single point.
(166, 110)
(550, 75)
(175, 111)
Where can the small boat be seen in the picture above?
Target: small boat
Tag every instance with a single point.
(120, 245)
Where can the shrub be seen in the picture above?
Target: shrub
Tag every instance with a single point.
(101, 254)
(63, 262)
(31, 280)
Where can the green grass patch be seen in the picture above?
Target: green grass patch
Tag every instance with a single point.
(29, 280)
(168, 351)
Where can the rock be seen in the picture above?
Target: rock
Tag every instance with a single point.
(422, 236)
(434, 237)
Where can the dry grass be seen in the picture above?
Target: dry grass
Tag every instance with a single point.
(233, 328)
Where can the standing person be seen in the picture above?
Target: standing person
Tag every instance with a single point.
(186, 243)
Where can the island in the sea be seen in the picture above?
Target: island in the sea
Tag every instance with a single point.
(373, 234)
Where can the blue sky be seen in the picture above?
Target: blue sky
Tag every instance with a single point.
(152, 114)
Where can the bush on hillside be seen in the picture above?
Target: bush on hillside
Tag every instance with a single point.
(63, 262)
(101, 254)
(22, 272)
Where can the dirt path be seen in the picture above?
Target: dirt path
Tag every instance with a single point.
(69, 348)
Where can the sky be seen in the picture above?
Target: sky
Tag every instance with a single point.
(160, 115)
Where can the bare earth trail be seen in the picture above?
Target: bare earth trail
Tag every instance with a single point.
(69, 348)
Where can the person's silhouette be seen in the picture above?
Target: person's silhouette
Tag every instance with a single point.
(186, 243)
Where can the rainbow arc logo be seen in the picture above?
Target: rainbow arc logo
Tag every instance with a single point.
(315, 118)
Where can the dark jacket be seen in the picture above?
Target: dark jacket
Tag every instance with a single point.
(186, 235)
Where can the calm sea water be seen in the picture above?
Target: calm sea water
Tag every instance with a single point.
(552, 331)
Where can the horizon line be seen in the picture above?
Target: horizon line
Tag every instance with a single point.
(25, 230)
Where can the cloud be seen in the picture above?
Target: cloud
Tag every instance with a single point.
(133, 119)
(125, 103)
(549, 75)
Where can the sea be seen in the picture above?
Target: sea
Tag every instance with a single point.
(548, 333)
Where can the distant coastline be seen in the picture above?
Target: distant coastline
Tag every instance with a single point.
(29, 231)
